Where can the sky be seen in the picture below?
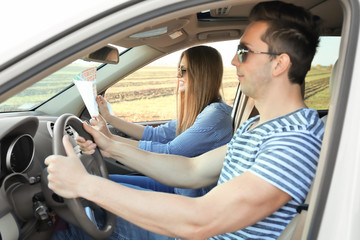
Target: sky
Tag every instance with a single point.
(327, 53)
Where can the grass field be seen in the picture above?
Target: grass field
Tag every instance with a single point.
(317, 93)
(149, 93)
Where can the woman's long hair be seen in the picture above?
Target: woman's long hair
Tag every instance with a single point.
(204, 72)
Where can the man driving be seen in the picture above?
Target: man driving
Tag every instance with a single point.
(262, 175)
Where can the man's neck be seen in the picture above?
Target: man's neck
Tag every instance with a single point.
(277, 104)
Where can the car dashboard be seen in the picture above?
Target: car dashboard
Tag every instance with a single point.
(25, 142)
(26, 139)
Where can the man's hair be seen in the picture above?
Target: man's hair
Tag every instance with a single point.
(204, 72)
(292, 30)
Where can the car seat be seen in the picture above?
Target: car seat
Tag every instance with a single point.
(294, 229)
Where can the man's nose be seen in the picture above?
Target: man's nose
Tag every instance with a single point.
(235, 61)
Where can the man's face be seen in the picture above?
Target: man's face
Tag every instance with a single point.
(255, 72)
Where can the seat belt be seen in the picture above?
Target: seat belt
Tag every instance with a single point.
(294, 229)
(302, 210)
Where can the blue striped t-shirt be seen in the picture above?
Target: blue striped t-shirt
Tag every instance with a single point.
(284, 152)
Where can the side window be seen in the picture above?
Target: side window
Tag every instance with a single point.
(149, 94)
(145, 95)
(317, 91)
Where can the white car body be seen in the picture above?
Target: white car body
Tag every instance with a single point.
(334, 207)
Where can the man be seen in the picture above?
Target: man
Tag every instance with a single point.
(269, 163)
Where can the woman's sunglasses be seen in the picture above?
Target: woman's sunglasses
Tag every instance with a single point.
(181, 71)
(243, 53)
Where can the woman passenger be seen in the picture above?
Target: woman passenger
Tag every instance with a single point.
(203, 120)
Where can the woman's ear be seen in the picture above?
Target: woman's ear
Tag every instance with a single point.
(282, 65)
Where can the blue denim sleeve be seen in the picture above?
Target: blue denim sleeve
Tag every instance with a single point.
(162, 134)
(211, 129)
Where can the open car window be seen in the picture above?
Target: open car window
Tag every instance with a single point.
(317, 88)
(152, 89)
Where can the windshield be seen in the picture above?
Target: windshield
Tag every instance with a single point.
(46, 88)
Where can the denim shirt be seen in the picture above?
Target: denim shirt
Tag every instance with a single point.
(211, 129)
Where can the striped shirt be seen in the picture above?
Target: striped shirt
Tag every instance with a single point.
(284, 152)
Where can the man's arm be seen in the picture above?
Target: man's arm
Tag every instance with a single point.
(129, 141)
(230, 206)
(172, 170)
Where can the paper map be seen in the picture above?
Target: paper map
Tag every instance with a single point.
(86, 85)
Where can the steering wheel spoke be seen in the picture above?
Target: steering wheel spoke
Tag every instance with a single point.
(90, 164)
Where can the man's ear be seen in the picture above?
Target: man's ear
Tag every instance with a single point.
(282, 64)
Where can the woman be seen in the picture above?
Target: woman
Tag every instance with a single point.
(203, 120)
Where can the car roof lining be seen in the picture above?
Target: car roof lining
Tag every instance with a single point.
(198, 32)
(223, 22)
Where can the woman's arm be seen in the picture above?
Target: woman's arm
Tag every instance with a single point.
(99, 123)
(211, 129)
(131, 129)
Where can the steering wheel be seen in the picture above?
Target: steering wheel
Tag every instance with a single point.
(78, 211)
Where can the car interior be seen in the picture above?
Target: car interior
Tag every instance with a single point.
(28, 136)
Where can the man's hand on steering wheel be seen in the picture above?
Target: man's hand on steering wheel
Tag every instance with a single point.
(66, 172)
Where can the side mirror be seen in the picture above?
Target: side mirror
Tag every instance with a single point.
(107, 54)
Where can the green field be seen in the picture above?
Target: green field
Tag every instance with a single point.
(43, 90)
(317, 94)
(149, 93)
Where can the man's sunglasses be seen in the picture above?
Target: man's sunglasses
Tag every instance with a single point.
(181, 71)
(243, 53)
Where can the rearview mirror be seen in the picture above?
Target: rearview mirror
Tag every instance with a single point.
(107, 54)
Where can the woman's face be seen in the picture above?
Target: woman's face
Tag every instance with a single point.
(182, 74)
